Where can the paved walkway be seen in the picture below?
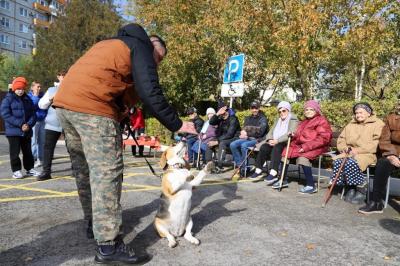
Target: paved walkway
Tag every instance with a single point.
(238, 223)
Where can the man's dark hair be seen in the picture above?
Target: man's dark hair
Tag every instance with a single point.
(161, 41)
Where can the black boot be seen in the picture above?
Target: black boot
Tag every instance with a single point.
(359, 197)
(372, 207)
(117, 252)
(350, 195)
(44, 176)
(89, 230)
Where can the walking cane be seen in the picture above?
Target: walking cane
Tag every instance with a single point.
(241, 164)
(329, 192)
(284, 163)
(198, 155)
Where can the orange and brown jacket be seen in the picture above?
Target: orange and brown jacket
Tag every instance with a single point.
(113, 75)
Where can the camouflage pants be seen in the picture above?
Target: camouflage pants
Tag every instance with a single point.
(95, 147)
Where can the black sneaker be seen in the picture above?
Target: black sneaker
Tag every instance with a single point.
(372, 207)
(350, 195)
(89, 230)
(118, 253)
(270, 179)
(359, 198)
(44, 176)
(256, 176)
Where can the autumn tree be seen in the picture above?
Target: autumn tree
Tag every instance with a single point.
(85, 22)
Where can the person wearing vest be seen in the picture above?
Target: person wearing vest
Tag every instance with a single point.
(95, 95)
(52, 127)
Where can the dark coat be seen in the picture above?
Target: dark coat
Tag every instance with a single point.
(17, 111)
(227, 129)
(256, 126)
(198, 124)
(389, 143)
(313, 136)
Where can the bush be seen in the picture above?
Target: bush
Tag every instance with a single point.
(338, 113)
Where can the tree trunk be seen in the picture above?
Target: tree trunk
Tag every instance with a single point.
(360, 80)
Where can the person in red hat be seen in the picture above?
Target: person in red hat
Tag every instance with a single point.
(18, 112)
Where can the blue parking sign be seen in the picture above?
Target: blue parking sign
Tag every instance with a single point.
(234, 69)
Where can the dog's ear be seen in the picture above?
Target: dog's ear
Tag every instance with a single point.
(163, 160)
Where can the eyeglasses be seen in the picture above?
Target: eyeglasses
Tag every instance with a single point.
(254, 107)
(282, 111)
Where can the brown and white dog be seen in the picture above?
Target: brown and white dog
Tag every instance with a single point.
(173, 216)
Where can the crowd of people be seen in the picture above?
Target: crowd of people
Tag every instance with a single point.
(358, 145)
(88, 103)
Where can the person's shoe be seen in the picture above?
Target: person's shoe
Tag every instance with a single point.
(17, 175)
(89, 230)
(350, 195)
(44, 176)
(359, 198)
(270, 179)
(38, 163)
(277, 185)
(372, 207)
(218, 169)
(256, 176)
(32, 172)
(118, 253)
(308, 190)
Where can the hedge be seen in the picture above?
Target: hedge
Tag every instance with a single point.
(338, 113)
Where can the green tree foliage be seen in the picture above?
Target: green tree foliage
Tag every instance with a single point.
(318, 48)
(58, 47)
(13, 67)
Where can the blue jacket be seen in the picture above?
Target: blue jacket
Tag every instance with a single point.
(17, 111)
(40, 113)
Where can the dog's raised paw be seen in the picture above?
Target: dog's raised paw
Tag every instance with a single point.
(209, 166)
(172, 244)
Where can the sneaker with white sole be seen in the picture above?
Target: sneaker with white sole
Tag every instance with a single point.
(17, 175)
(32, 172)
(277, 184)
(308, 190)
(270, 179)
(38, 163)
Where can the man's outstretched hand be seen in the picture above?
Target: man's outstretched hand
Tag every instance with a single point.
(188, 127)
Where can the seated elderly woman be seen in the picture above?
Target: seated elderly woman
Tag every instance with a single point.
(358, 141)
(275, 142)
(389, 145)
(311, 138)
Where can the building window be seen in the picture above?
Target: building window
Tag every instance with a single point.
(22, 44)
(5, 22)
(5, 4)
(42, 2)
(42, 17)
(23, 12)
(23, 28)
(4, 39)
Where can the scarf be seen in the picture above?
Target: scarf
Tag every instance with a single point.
(282, 127)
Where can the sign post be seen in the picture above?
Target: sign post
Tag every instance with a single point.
(233, 85)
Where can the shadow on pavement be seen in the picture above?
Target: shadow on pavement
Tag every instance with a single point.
(391, 225)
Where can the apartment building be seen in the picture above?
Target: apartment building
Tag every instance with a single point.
(19, 19)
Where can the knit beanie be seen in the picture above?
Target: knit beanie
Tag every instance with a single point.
(284, 104)
(210, 110)
(314, 105)
(364, 106)
(19, 83)
(221, 104)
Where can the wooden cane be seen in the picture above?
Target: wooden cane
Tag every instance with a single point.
(284, 163)
(241, 164)
(329, 192)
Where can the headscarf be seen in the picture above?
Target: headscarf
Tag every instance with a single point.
(282, 126)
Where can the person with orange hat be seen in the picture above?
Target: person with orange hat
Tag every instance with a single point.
(18, 112)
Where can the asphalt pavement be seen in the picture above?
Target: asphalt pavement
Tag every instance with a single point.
(238, 223)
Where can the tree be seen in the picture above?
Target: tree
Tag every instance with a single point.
(13, 67)
(58, 47)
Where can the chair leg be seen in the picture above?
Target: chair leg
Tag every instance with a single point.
(343, 190)
(387, 192)
(319, 172)
(368, 184)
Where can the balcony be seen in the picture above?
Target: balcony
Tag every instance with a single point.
(41, 23)
(40, 7)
